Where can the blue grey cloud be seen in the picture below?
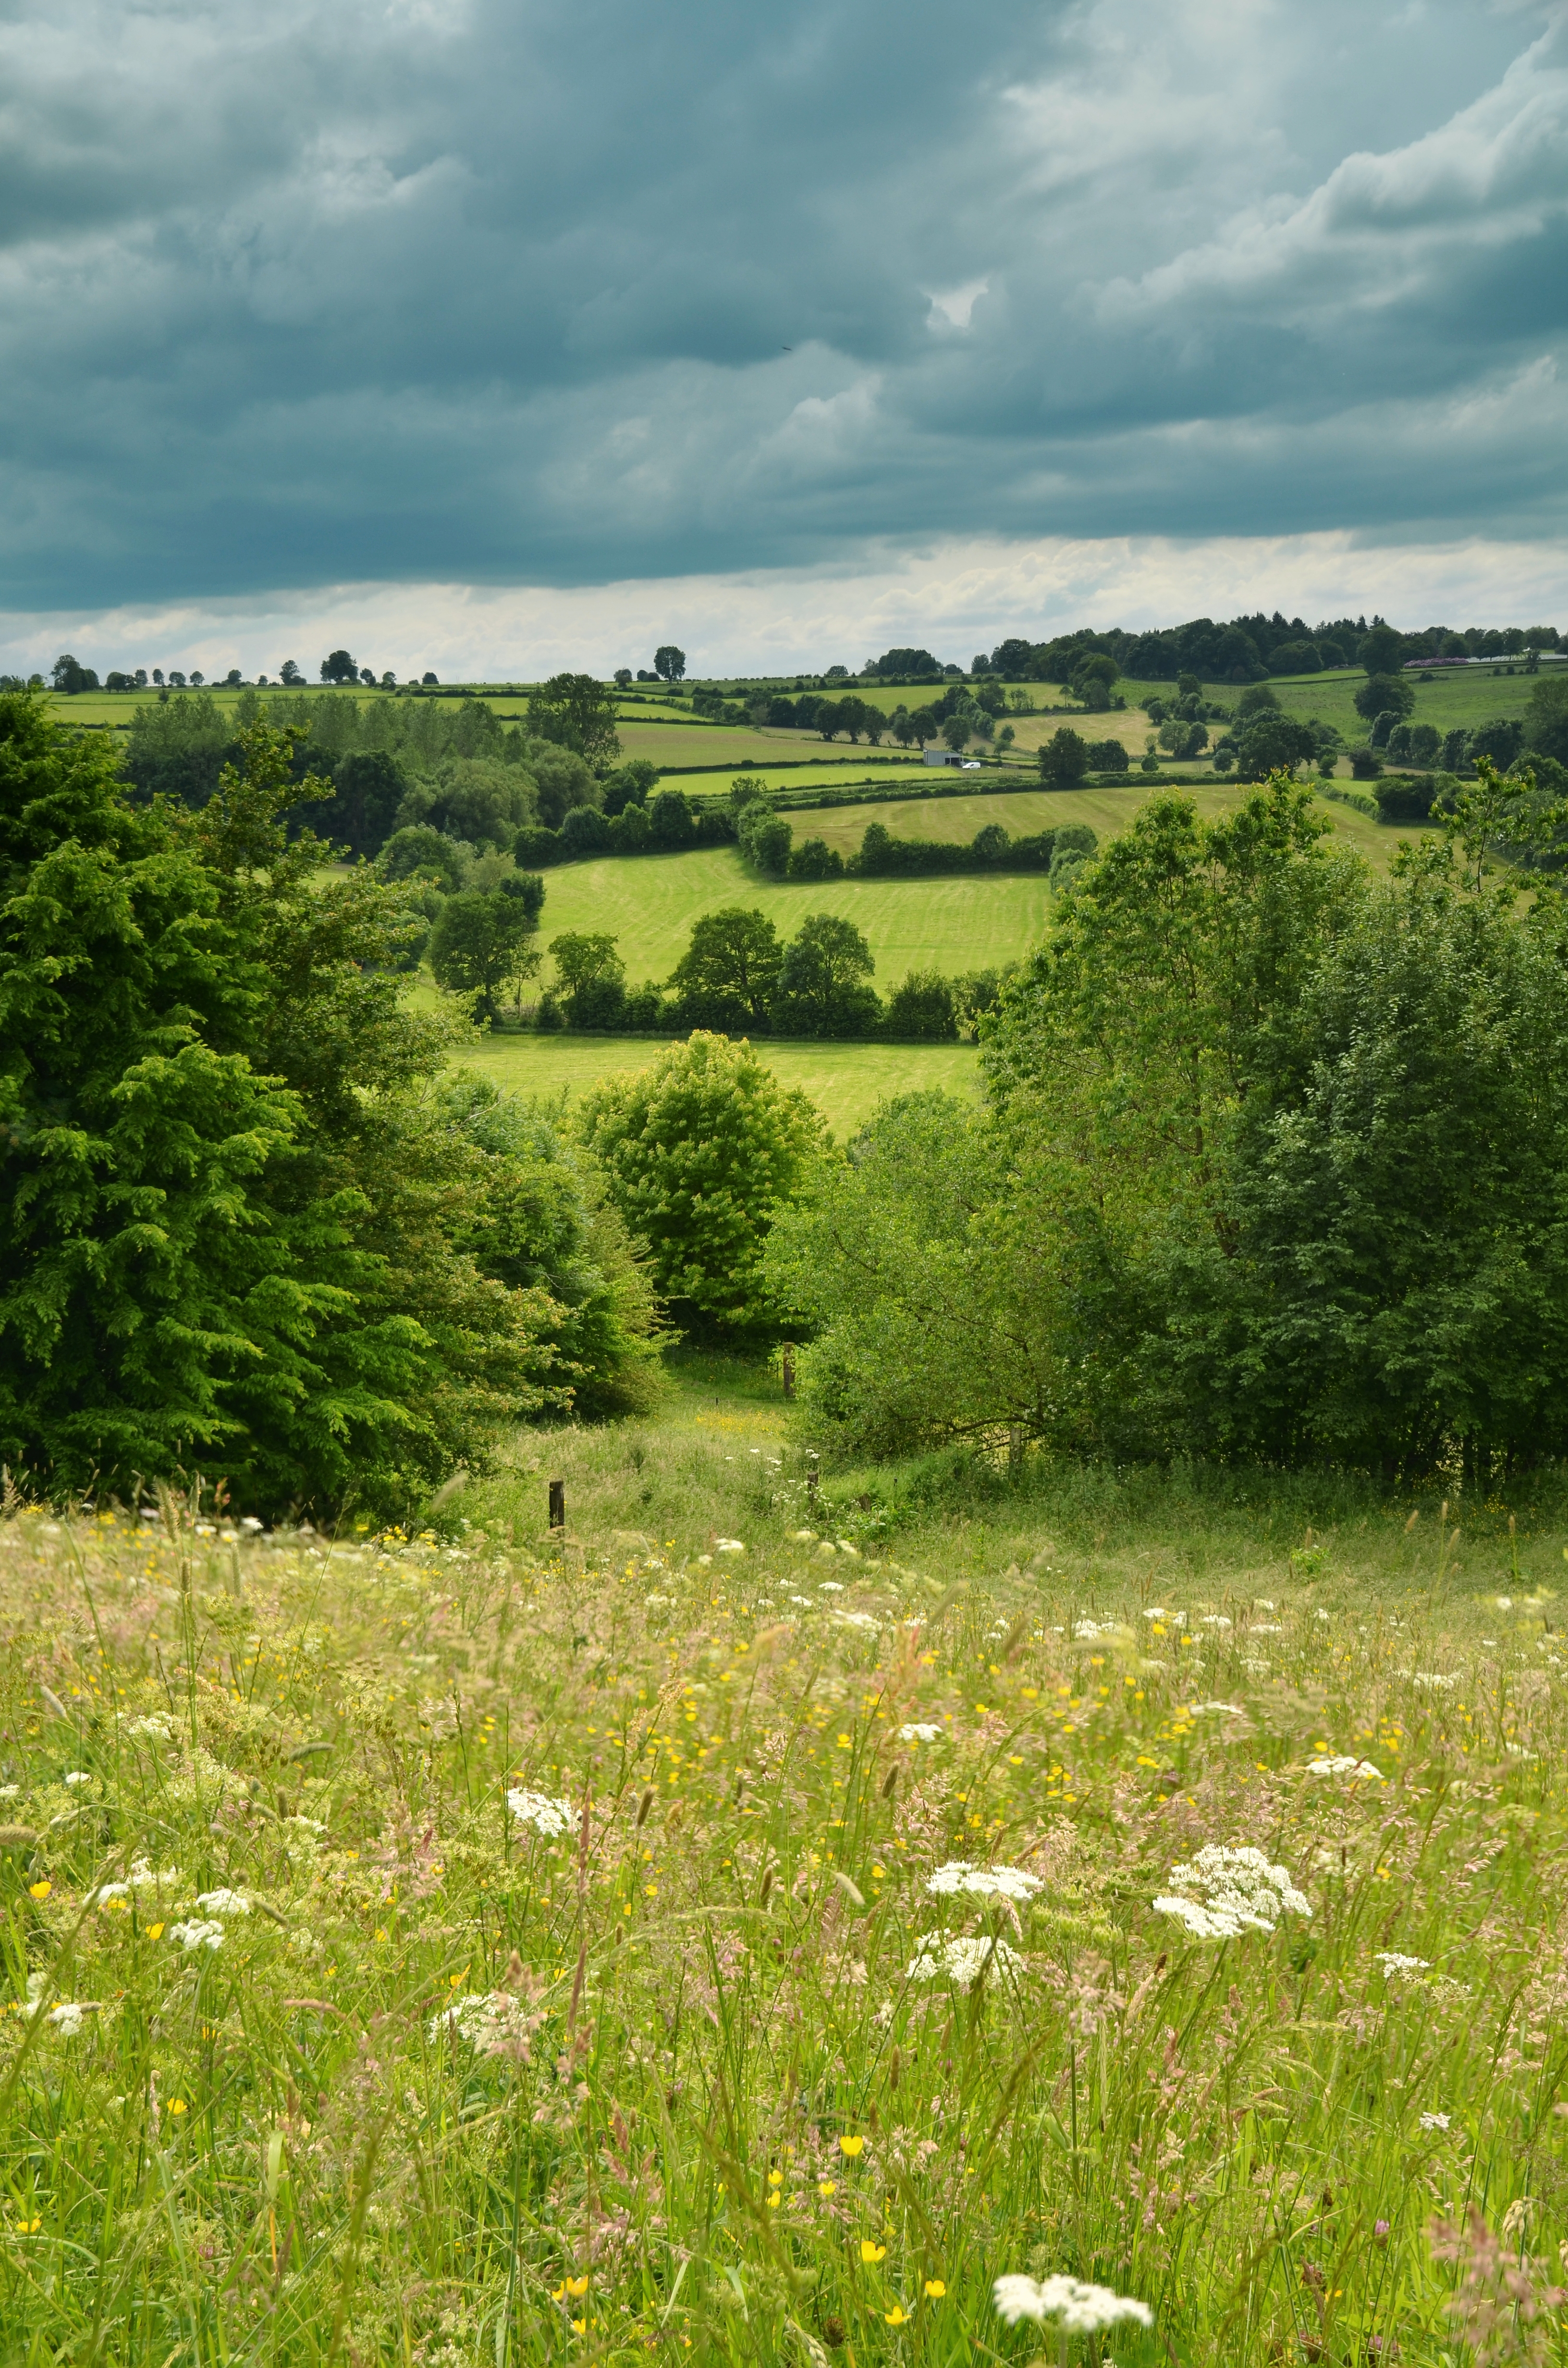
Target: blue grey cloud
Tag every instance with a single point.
(479, 291)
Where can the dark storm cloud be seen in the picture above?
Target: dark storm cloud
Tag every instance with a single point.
(494, 292)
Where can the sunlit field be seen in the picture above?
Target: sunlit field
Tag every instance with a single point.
(1107, 812)
(743, 1926)
(649, 903)
(845, 1081)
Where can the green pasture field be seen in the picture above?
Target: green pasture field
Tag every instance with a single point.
(738, 744)
(650, 902)
(1447, 701)
(1107, 812)
(845, 1081)
(115, 708)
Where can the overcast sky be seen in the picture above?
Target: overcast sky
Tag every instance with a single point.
(770, 328)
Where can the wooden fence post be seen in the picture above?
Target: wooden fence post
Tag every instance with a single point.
(788, 1364)
(558, 1504)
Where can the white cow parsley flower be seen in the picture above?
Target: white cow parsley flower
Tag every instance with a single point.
(1238, 1891)
(728, 1545)
(75, 1776)
(546, 1816)
(197, 1936)
(223, 1903)
(1345, 1764)
(1434, 2121)
(985, 1882)
(1082, 2309)
(1392, 1962)
(963, 1962)
(920, 1730)
(155, 1728)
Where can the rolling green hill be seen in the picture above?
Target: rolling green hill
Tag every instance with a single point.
(649, 903)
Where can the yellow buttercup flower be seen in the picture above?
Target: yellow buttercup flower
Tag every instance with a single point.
(827, 2187)
(895, 2316)
(935, 2288)
(178, 2105)
(576, 2286)
(851, 2147)
(869, 2252)
(154, 1931)
(39, 1890)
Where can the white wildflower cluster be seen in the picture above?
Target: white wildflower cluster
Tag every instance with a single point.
(728, 1545)
(138, 1875)
(1238, 1891)
(1089, 1632)
(1394, 1963)
(857, 1620)
(492, 2023)
(1220, 1709)
(1433, 1681)
(1345, 1764)
(1158, 1611)
(963, 1962)
(75, 1776)
(1214, 1619)
(1434, 2121)
(156, 1727)
(66, 2017)
(197, 1936)
(983, 1881)
(223, 1903)
(920, 1730)
(1081, 2309)
(546, 1816)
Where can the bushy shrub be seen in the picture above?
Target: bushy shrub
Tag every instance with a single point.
(923, 1007)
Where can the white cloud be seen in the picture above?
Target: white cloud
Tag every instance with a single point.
(953, 310)
(954, 596)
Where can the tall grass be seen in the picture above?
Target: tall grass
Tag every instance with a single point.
(319, 2050)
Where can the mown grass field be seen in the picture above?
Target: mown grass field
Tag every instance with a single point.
(731, 1931)
(1447, 701)
(649, 903)
(845, 1081)
(1107, 812)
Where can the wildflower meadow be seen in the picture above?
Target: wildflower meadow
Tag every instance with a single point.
(759, 1940)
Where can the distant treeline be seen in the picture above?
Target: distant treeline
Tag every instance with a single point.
(1247, 648)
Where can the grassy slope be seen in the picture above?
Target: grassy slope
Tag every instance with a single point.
(1107, 812)
(280, 2148)
(650, 902)
(845, 1081)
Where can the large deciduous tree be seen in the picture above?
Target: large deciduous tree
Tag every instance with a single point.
(727, 975)
(823, 987)
(577, 712)
(482, 942)
(701, 1151)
